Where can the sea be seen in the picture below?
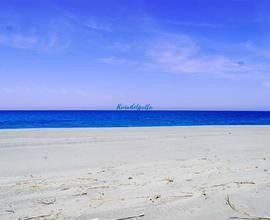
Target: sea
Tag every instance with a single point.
(116, 118)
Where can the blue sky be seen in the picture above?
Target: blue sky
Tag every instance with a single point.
(183, 54)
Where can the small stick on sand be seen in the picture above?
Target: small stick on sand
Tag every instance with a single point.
(181, 196)
(80, 194)
(34, 217)
(47, 201)
(125, 218)
(250, 216)
(245, 182)
(130, 217)
(99, 187)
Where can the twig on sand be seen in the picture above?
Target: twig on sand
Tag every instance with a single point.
(124, 218)
(130, 217)
(99, 187)
(34, 217)
(181, 196)
(245, 182)
(249, 216)
(48, 201)
(80, 194)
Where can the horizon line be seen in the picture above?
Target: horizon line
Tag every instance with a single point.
(142, 110)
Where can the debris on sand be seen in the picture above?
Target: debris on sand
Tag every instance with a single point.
(130, 217)
(169, 179)
(124, 218)
(248, 215)
(80, 194)
(48, 201)
(35, 217)
(245, 182)
(155, 197)
(64, 189)
(99, 187)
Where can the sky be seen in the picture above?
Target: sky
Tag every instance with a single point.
(176, 54)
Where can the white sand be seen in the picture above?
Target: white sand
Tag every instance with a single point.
(112, 173)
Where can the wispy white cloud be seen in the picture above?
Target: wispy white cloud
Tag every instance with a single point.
(150, 48)
(91, 23)
(95, 25)
(123, 47)
(51, 35)
(113, 60)
(122, 61)
(18, 40)
(37, 42)
(266, 84)
(188, 23)
(41, 89)
(258, 51)
(182, 55)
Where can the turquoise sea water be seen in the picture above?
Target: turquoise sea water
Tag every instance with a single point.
(69, 119)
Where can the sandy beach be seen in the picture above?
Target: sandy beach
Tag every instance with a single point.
(119, 173)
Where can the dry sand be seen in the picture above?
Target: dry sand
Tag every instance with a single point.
(113, 173)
